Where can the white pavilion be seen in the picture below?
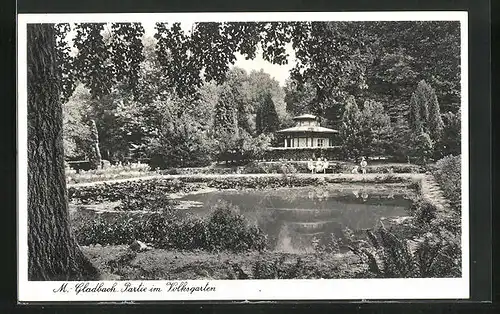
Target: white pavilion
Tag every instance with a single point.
(307, 133)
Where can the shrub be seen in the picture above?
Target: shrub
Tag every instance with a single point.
(423, 147)
(188, 234)
(181, 141)
(102, 231)
(255, 167)
(275, 167)
(388, 256)
(287, 181)
(278, 269)
(228, 230)
(423, 211)
(447, 172)
(416, 185)
(328, 246)
(223, 230)
(439, 256)
(410, 168)
(286, 168)
(170, 171)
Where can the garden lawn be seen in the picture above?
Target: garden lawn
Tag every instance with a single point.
(119, 263)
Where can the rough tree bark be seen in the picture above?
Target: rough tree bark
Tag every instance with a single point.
(53, 252)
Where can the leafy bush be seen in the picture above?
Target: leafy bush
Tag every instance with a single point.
(416, 185)
(329, 246)
(241, 147)
(199, 170)
(100, 231)
(227, 229)
(447, 172)
(423, 147)
(423, 211)
(409, 168)
(181, 142)
(278, 269)
(438, 256)
(223, 230)
(187, 234)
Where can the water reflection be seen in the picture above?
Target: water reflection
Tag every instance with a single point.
(303, 219)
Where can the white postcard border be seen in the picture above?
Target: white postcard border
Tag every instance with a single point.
(321, 289)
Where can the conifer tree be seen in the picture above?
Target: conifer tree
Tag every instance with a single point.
(450, 141)
(267, 120)
(419, 106)
(425, 115)
(414, 116)
(435, 122)
(423, 147)
(350, 129)
(225, 116)
(95, 152)
(376, 128)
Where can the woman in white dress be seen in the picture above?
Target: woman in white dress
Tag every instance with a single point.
(319, 165)
(310, 165)
(326, 164)
(363, 165)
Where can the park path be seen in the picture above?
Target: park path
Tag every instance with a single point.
(433, 193)
(354, 177)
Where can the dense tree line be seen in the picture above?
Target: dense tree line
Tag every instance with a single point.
(392, 64)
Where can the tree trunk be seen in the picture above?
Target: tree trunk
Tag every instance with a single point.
(53, 252)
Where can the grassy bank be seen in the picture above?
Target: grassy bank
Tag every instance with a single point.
(117, 262)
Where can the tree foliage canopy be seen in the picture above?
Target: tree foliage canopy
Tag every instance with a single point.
(376, 62)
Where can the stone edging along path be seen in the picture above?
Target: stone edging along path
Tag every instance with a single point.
(431, 192)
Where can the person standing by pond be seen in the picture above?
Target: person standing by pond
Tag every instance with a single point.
(326, 164)
(310, 165)
(363, 165)
(319, 165)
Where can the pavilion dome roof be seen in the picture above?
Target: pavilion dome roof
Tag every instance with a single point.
(305, 117)
(308, 128)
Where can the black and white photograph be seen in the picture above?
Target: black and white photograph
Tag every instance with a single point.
(243, 156)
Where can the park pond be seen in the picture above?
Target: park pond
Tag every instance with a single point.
(295, 219)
